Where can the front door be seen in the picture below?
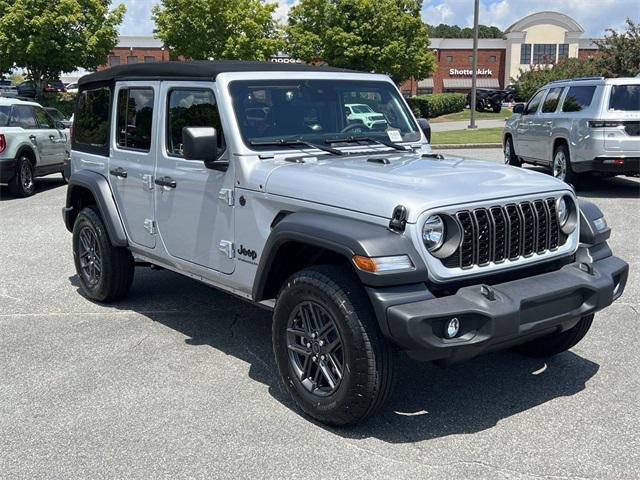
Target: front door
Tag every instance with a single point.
(525, 130)
(132, 157)
(542, 144)
(51, 141)
(195, 213)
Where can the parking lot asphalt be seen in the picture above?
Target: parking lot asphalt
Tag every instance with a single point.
(179, 381)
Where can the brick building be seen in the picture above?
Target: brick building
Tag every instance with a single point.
(537, 39)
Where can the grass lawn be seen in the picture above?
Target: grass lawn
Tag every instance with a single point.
(464, 115)
(478, 135)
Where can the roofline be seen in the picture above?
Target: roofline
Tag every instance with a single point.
(564, 20)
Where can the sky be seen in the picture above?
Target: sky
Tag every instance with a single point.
(594, 15)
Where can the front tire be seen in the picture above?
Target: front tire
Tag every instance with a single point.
(330, 353)
(557, 342)
(510, 157)
(105, 271)
(23, 182)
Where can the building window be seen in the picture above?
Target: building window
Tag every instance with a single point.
(449, 58)
(132, 59)
(424, 90)
(525, 54)
(563, 51)
(406, 93)
(544, 53)
(149, 59)
(114, 60)
(493, 58)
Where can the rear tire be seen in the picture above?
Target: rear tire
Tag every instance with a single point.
(561, 165)
(497, 108)
(360, 369)
(105, 271)
(23, 182)
(557, 342)
(510, 157)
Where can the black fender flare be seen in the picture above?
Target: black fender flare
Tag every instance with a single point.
(99, 187)
(346, 237)
(589, 234)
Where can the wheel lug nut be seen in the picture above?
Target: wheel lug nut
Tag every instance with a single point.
(322, 357)
(314, 335)
(321, 343)
(315, 359)
(308, 345)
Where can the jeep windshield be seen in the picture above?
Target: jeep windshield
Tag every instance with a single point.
(319, 111)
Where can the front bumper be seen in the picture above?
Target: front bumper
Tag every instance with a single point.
(501, 315)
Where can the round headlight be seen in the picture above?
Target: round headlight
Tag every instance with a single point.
(562, 212)
(433, 232)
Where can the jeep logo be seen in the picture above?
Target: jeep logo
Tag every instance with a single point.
(252, 254)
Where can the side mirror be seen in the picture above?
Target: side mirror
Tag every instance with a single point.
(518, 108)
(423, 123)
(60, 126)
(200, 143)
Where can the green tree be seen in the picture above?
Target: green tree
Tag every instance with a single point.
(386, 36)
(219, 29)
(46, 37)
(453, 31)
(620, 52)
(531, 80)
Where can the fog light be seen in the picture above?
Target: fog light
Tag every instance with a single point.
(453, 327)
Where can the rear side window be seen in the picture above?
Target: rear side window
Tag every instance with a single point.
(578, 98)
(191, 108)
(91, 121)
(5, 112)
(551, 101)
(532, 106)
(134, 118)
(625, 98)
(22, 116)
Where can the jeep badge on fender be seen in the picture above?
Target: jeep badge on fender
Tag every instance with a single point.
(369, 242)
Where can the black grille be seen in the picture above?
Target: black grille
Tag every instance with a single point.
(511, 231)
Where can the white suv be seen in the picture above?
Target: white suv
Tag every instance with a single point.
(577, 126)
(32, 144)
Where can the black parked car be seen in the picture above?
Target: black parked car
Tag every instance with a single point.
(27, 89)
(489, 99)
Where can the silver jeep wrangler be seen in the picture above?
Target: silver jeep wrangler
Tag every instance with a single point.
(251, 177)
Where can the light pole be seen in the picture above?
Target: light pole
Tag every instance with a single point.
(474, 67)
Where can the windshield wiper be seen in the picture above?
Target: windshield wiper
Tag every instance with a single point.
(295, 141)
(362, 138)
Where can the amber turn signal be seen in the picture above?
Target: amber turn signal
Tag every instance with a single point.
(365, 263)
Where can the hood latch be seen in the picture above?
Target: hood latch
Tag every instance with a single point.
(398, 219)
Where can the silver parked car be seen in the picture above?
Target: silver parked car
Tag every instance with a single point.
(32, 144)
(250, 177)
(577, 126)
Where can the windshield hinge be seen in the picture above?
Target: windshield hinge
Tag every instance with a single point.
(226, 194)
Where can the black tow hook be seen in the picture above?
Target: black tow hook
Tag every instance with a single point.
(488, 292)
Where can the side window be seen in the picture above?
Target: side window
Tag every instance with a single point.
(134, 118)
(44, 120)
(91, 122)
(532, 106)
(578, 98)
(551, 101)
(22, 116)
(191, 108)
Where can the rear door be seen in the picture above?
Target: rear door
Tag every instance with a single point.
(24, 116)
(132, 157)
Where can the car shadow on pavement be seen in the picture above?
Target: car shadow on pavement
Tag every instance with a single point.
(42, 185)
(594, 186)
(427, 402)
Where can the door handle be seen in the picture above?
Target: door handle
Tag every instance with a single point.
(165, 182)
(33, 138)
(118, 172)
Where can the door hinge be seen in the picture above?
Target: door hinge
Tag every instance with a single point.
(147, 180)
(226, 194)
(150, 226)
(226, 247)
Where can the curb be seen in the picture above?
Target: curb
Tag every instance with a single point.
(451, 146)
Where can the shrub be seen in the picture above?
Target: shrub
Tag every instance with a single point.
(65, 102)
(436, 104)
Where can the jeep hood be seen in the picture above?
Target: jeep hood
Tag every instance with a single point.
(369, 185)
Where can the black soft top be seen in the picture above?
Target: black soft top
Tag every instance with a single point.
(196, 69)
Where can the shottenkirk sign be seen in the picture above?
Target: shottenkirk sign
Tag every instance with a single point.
(465, 72)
